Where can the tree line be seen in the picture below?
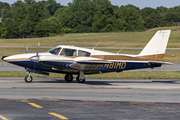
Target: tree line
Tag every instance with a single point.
(46, 18)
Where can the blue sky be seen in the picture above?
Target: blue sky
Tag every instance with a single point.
(138, 3)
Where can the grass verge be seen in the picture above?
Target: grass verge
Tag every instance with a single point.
(121, 75)
(113, 39)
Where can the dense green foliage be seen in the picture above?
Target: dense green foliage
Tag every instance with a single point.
(45, 18)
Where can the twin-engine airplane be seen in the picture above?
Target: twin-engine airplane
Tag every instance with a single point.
(71, 60)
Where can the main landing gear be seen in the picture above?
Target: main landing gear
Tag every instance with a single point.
(80, 78)
(68, 78)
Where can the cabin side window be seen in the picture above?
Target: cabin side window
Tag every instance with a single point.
(83, 53)
(68, 52)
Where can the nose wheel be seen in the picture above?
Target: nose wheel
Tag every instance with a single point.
(28, 78)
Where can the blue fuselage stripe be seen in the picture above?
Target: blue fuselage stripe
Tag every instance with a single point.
(114, 66)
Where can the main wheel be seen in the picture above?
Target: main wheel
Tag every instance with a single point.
(68, 77)
(80, 80)
(28, 79)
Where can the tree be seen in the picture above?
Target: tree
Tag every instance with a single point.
(20, 13)
(102, 7)
(16, 4)
(122, 25)
(81, 14)
(5, 11)
(48, 27)
(131, 16)
(29, 1)
(37, 12)
(3, 31)
(26, 28)
(52, 6)
(151, 18)
(11, 27)
(103, 24)
(162, 9)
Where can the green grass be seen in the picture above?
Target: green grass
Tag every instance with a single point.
(121, 75)
(130, 39)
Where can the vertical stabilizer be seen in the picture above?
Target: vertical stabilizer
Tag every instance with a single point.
(156, 47)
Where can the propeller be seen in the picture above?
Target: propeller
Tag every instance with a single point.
(26, 49)
(36, 58)
(37, 54)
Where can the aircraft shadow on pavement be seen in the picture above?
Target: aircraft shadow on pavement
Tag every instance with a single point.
(168, 81)
(74, 81)
(106, 82)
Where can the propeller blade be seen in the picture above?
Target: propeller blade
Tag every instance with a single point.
(26, 49)
(37, 54)
(35, 59)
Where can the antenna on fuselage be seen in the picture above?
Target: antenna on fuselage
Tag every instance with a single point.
(121, 49)
(96, 45)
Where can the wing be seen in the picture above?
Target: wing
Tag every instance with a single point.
(88, 63)
(78, 63)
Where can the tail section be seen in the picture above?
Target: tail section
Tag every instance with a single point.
(156, 47)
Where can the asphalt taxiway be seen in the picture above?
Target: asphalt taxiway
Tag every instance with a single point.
(95, 99)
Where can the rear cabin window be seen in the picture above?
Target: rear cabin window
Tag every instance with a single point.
(68, 52)
(83, 53)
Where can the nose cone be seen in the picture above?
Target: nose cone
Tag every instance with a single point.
(34, 59)
(3, 57)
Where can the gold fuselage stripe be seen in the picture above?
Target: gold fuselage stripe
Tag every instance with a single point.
(157, 57)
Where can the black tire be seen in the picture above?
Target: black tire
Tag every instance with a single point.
(80, 80)
(28, 79)
(68, 78)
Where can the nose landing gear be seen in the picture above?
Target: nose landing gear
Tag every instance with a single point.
(28, 78)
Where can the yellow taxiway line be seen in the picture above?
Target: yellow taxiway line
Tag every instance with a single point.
(59, 116)
(3, 118)
(35, 105)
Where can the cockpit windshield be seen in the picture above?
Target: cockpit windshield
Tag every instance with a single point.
(55, 51)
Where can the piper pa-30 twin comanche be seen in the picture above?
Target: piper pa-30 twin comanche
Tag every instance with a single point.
(71, 60)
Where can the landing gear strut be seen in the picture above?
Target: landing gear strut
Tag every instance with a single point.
(80, 78)
(68, 77)
(28, 78)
